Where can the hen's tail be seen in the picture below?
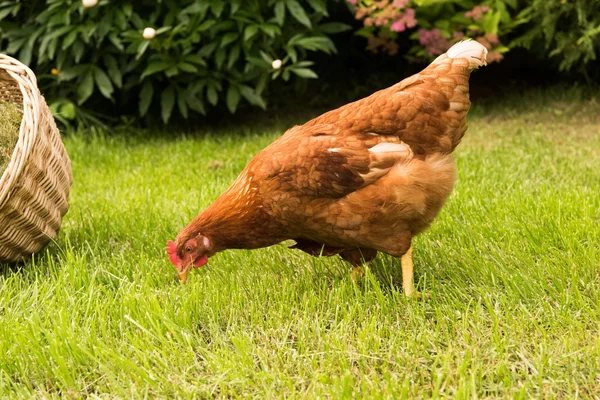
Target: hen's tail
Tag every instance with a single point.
(474, 52)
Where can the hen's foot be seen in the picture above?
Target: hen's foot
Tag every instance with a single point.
(357, 273)
(408, 283)
(357, 257)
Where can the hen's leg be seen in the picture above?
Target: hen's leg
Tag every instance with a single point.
(357, 257)
(408, 273)
(408, 281)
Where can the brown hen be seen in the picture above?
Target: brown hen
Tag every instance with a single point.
(363, 178)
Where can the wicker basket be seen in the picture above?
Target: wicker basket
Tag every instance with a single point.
(34, 189)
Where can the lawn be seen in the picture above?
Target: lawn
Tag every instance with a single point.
(511, 265)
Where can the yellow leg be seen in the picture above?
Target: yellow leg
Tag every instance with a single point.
(408, 283)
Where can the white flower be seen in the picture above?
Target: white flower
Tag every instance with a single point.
(89, 3)
(149, 33)
(276, 64)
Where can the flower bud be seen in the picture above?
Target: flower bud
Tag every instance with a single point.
(149, 33)
(276, 64)
(89, 3)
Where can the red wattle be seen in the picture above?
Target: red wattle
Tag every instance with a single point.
(201, 261)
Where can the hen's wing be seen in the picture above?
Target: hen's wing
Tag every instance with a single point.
(324, 161)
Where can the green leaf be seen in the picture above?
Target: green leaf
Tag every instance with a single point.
(127, 9)
(235, 5)
(220, 57)
(234, 55)
(167, 102)
(270, 29)
(333, 27)
(305, 63)
(195, 59)
(103, 83)
(292, 53)
(113, 70)
(229, 38)
(249, 32)
(304, 73)
(321, 43)
(212, 95)
(194, 103)
(262, 83)
(172, 71)
(114, 39)
(206, 24)
(154, 67)
(4, 12)
(259, 62)
(217, 7)
(142, 49)
(207, 49)
(266, 57)
(196, 8)
(73, 72)
(145, 97)
(68, 110)
(163, 29)
(70, 39)
(233, 98)
(318, 6)
(280, 13)
(253, 98)
(182, 103)
(187, 67)
(85, 87)
(26, 53)
(298, 12)
(365, 32)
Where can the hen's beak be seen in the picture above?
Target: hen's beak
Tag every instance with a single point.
(183, 271)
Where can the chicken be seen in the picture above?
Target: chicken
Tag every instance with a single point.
(364, 178)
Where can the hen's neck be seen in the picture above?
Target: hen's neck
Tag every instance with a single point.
(236, 220)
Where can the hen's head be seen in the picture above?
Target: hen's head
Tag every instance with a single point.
(188, 252)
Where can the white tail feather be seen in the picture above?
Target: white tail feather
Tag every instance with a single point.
(474, 51)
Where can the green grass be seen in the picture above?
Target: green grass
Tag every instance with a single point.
(512, 267)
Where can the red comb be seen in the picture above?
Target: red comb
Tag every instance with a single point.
(172, 252)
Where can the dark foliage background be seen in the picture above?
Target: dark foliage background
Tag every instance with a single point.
(202, 60)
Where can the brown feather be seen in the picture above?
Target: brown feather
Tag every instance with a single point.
(363, 178)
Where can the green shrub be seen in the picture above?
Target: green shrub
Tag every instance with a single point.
(204, 52)
(570, 30)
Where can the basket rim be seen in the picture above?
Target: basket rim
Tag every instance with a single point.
(26, 81)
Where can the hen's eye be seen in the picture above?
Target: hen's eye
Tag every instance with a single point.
(188, 249)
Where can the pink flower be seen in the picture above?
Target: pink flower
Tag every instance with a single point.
(477, 12)
(409, 18)
(434, 42)
(458, 36)
(406, 20)
(398, 26)
(400, 3)
(352, 1)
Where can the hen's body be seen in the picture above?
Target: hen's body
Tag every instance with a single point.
(363, 178)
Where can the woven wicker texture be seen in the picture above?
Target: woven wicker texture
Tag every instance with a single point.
(34, 189)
